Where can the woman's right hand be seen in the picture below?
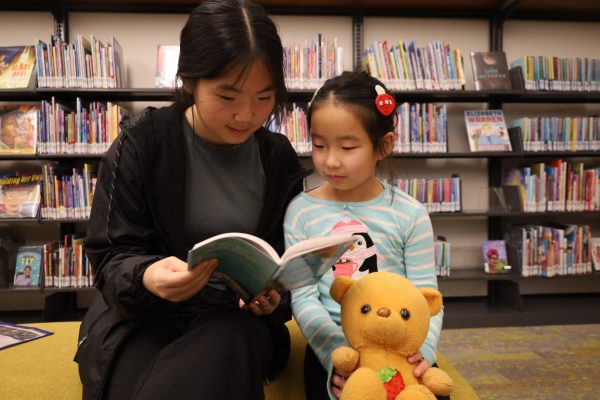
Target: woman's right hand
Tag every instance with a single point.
(171, 280)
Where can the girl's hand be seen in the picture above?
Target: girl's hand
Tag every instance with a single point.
(264, 303)
(422, 364)
(338, 380)
(171, 280)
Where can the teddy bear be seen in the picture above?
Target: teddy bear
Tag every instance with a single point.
(385, 319)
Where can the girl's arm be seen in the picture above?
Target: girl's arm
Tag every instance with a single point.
(316, 323)
(420, 269)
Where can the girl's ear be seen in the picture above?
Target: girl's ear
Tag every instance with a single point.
(386, 145)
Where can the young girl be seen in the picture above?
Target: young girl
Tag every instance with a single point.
(352, 121)
(179, 175)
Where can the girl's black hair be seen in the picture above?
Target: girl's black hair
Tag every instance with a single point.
(222, 34)
(356, 92)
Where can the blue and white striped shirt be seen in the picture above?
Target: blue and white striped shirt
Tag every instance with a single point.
(395, 235)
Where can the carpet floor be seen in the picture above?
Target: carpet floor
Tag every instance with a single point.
(553, 362)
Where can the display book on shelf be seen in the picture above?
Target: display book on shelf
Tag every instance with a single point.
(17, 64)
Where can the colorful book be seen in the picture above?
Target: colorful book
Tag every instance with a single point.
(490, 70)
(19, 124)
(167, 57)
(487, 130)
(249, 265)
(595, 248)
(494, 253)
(28, 266)
(20, 195)
(16, 67)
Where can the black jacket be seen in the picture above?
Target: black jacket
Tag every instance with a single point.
(137, 218)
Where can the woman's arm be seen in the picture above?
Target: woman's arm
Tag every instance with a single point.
(120, 241)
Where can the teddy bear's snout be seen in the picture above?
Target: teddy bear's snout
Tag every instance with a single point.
(384, 312)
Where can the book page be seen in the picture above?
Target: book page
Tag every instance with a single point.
(308, 266)
(316, 243)
(240, 260)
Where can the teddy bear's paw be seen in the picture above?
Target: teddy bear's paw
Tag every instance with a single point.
(438, 381)
(363, 384)
(415, 392)
(345, 358)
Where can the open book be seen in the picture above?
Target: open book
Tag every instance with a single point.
(249, 265)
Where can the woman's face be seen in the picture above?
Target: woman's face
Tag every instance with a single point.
(232, 107)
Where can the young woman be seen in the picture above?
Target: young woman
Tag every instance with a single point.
(181, 174)
(351, 120)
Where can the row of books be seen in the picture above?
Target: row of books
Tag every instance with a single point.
(51, 127)
(405, 66)
(549, 250)
(556, 185)
(85, 63)
(421, 128)
(559, 133)
(58, 192)
(437, 194)
(53, 265)
(308, 66)
(292, 123)
(67, 193)
(89, 129)
(559, 73)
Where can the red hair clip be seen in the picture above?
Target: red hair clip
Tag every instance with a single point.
(384, 102)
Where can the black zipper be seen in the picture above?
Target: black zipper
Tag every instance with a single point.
(84, 338)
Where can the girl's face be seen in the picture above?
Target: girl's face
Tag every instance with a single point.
(232, 107)
(343, 153)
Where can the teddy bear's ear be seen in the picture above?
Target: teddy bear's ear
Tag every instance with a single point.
(339, 287)
(434, 299)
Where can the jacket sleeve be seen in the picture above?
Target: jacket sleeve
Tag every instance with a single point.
(120, 241)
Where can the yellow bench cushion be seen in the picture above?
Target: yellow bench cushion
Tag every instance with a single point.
(44, 368)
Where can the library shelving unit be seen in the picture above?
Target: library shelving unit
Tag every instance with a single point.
(503, 303)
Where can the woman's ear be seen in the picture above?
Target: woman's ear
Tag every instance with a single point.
(188, 85)
(386, 145)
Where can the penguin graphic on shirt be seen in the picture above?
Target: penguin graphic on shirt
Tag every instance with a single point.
(361, 258)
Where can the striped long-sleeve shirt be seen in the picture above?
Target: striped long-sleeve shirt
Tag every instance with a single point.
(395, 235)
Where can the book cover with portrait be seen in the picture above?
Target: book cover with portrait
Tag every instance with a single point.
(20, 195)
(494, 254)
(28, 266)
(19, 126)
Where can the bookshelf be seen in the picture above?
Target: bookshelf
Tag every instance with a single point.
(497, 20)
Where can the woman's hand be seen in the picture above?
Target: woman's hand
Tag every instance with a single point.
(171, 280)
(422, 364)
(264, 303)
(338, 380)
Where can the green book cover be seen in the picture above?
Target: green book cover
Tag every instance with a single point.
(250, 265)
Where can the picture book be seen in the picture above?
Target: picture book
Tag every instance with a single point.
(595, 246)
(487, 130)
(167, 57)
(20, 195)
(490, 70)
(19, 128)
(12, 334)
(16, 67)
(249, 265)
(28, 266)
(494, 253)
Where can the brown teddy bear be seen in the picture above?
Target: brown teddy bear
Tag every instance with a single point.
(385, 319)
